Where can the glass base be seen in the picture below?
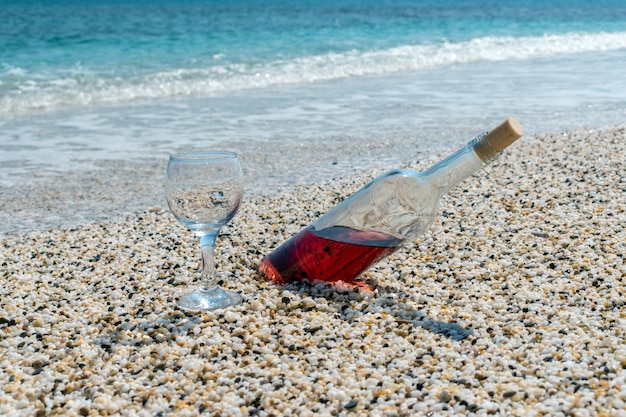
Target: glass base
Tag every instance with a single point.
(212, 299)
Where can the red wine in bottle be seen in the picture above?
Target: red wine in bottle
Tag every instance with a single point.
(333, 254)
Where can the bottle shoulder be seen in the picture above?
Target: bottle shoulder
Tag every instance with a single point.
(400, 176)
(401, 172)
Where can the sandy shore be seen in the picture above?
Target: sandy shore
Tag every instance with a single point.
(512, 304)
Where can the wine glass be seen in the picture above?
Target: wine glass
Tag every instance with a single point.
(204, 190)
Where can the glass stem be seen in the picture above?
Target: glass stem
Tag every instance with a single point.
(207, 246)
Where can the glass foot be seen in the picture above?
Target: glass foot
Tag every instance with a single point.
(212, 299)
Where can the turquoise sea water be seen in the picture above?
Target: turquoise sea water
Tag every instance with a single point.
(68, 53)
(89, 80)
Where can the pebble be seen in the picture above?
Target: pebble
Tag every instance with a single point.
(513, 303)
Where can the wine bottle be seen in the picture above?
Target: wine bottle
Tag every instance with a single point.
(381, 217)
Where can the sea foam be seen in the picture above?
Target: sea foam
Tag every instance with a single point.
(25, 92)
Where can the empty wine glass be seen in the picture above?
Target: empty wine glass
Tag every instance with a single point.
(204, 191)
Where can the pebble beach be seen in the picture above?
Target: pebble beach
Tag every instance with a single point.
(512, 304)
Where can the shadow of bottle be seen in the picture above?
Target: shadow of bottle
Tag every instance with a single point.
(339, 296)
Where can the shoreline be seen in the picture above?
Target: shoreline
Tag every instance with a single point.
(512, 303)
(109, 189)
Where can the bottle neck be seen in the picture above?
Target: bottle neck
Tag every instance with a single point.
(447, 173)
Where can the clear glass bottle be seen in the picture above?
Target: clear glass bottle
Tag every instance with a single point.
(381, 217)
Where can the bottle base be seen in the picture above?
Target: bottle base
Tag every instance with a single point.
(267, 271)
